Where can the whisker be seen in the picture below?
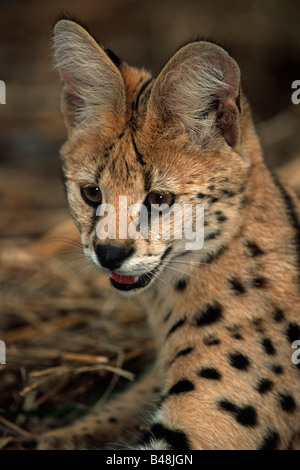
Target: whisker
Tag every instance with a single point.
(190, 263)
(180, 271)
(81, 258)
(71, 252)
(85, 268)
(65, 240)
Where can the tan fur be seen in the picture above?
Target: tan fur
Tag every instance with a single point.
(202, 151)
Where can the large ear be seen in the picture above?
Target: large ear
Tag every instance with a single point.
(92, 84)
(200, 88)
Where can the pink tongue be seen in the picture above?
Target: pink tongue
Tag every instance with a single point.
(123, 279)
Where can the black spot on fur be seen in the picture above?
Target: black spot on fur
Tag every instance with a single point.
(278, 315)
(181, 285)
(182, 386)
(201, 195)
(227, 405)
(184, 352)
(234, 331)
(258, 324)
(214, 199)
(241, 189)
(245, 415)
(268, 346)
(211, 341)
(168, 316)
(228, 193)
(236, 286)
(212, 235)
(277, 369)
(222, 218)
(209, 313)
(237, 336)
(244, 201)
(176, 439)
(238, 360)
(293, 332)
(112, 420)
(112, 145)
(177, 325)
(259, 282)
(270, 441)
(209, 373)
(211, 187)
(254, 249)
(213, 256)
(264, 385)
(287, 402)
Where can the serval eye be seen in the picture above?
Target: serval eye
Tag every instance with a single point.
(158, 199)
(91, 195)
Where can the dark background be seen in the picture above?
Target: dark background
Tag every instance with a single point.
(53, 305)
(263, 36)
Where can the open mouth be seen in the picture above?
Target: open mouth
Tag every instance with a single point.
(131, 282)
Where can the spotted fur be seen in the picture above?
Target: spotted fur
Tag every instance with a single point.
(223, 317)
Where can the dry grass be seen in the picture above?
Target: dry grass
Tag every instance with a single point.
(70, 340)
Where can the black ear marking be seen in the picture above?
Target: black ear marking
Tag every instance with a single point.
(69, 16)
(113, 57)
(65, 15)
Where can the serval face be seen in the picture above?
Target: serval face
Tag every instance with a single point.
(135, 142)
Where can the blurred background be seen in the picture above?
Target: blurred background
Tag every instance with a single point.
(50, 300)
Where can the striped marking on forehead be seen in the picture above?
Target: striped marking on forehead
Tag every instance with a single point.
(144, 90)
(133, 161)
(125, 164)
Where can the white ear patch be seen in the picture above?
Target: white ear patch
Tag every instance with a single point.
(92, 83)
